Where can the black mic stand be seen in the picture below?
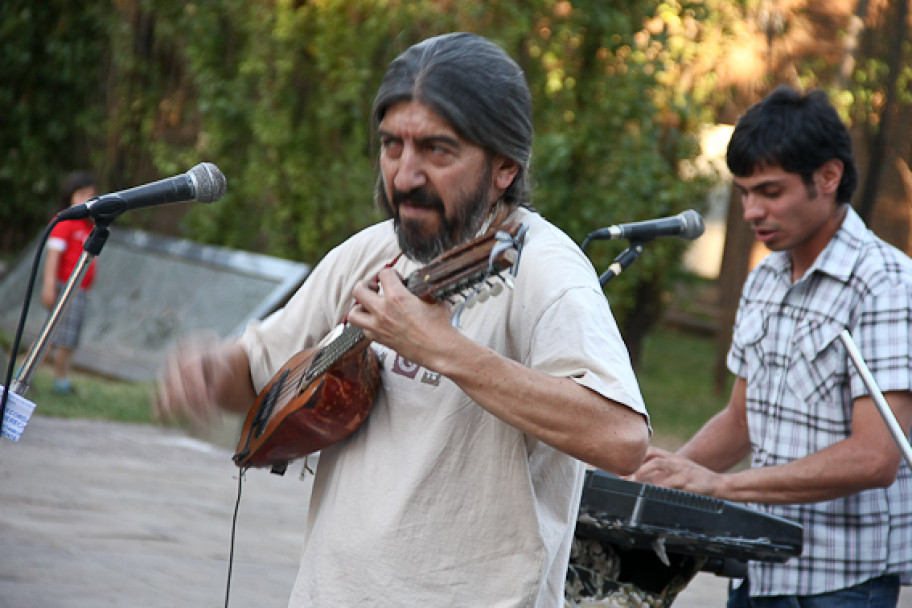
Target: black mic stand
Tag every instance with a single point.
(621, 262)
(90, 250)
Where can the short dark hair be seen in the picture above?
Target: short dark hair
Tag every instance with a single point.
(477, 88)
(77, 180)
(796, 132)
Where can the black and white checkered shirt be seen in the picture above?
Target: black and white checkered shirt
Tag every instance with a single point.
(800, 390)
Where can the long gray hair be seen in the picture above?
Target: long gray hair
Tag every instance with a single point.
(477, 88)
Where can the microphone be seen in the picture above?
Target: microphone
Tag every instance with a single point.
(203, 183)
(687, 225)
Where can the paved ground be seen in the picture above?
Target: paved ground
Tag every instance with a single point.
(96, 514)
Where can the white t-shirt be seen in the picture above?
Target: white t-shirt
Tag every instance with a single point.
(434, 501)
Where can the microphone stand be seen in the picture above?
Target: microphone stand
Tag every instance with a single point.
(90, 250)
(621, 262)
(902, 442)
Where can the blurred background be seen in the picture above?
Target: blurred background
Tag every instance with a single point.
(634, 102)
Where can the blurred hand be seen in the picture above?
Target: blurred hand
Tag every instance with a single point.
(185, 389)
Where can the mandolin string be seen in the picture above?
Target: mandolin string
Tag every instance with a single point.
(352, 335)
(331, 353)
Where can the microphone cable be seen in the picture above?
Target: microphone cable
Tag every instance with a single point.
(237, 506)
(20, 329)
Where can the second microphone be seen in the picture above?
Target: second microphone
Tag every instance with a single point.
(687, 225)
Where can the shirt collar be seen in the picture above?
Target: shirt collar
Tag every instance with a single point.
(841, 254)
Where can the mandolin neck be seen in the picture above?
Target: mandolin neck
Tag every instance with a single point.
(328, 355)
(453, 272)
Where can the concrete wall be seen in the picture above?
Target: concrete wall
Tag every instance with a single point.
(150, 290)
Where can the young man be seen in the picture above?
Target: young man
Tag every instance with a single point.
(821, 455)
(462, 487)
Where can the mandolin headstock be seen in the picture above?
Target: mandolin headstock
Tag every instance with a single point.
(463, 267)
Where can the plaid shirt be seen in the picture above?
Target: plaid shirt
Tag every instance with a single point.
(800, 390)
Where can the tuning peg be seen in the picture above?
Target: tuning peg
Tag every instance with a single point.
(483, 293)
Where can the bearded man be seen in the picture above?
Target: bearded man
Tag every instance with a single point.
(462, 487)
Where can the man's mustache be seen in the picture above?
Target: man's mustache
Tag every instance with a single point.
(417, 197)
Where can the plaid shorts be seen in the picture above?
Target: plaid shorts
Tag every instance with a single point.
(67, 332)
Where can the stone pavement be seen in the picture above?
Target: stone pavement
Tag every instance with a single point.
(101, 514)
(96, 514)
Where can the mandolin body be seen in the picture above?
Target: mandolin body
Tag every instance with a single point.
(288, 422)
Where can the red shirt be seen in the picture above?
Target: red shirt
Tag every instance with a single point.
(68, 238)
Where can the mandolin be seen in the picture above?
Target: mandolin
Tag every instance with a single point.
(322, 395)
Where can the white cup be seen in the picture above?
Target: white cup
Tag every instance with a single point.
(17, 414)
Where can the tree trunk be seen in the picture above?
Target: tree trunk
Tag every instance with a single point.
(646, 311)
(736, 255)
(878, 151)
(853, 33)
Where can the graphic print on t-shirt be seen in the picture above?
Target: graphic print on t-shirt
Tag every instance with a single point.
(405, 368)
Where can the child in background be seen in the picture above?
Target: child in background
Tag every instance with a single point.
(64, 249)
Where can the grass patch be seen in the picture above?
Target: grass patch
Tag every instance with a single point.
(95, 398)
(677, 379)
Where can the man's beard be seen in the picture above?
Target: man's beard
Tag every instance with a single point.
(469, 213)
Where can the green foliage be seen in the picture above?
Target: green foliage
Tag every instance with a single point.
(284, 109)
(294, 138)
(676, 378)
(50, 75)
(278, 95)
(612, 138)
(95, 398)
